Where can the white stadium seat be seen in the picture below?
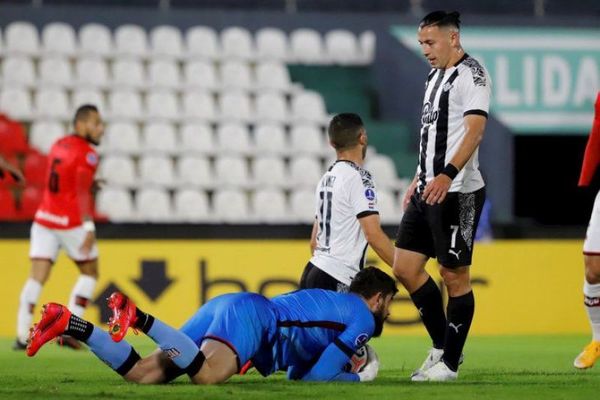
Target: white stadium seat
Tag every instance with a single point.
(272, 76)
(116, 204)
(307, 47)
(271, 44)
(342, 47)
(270, 138)
(236, 75)
(153, 205)
(271, 107)
(121, 138)
(91, 72)
(233, 138)
(125, 104)
(191, 206)
(166, 41)
(305, 172)
(118, 171)
(43, 134)
(389, 207)
(16, 103)
(22, 38)
(52, 103)
(231, 171)
(162, 105)
(55, 71)
(194, 171)
(269, 171)
(88, 96)
(269, 206)
(237, 43)
(202, 42)
(309, 106)
(157, 170)
(131, 41)
(164, 74)
(128, 73)
(302, 205)
(18, 71)
(235, 105)
(383, 170)
(231, 206)
(308, 139)
(1, 43)
(367, 43)
(199, 106)
(95, 40)
(159, 138)
(197, 138)
(59, 38)
(200, 74)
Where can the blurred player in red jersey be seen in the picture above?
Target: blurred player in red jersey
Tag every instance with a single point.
(12, 170)
(64, 219)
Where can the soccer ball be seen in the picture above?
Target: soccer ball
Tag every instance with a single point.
(358, 361)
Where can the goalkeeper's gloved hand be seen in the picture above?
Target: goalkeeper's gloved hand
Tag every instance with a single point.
(370, 370)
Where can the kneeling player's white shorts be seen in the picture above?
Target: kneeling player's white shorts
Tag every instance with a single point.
(591, 246)
(45, 243)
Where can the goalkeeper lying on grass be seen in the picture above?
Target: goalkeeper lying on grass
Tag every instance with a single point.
(312, 334)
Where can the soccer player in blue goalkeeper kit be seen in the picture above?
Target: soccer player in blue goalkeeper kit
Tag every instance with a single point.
(312, 334)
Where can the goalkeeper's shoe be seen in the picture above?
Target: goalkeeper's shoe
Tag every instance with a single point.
(588, 356)
(124, 316)
(437, 373)
(55, 319)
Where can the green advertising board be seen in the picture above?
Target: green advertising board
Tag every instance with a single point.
(544, 80)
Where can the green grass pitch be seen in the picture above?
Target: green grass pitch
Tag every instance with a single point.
(520, 367)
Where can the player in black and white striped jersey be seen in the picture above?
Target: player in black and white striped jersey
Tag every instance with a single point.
(347, 218)
(444, 202)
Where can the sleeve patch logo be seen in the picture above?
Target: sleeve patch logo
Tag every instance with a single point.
(361, 340)
(370, 194)
(91, 158)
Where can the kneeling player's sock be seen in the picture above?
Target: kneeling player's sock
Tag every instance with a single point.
(460, 315)
(428, 300)
(177, 345)
(120, 356)
(591, 299)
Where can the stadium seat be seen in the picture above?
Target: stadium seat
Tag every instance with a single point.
(271, 44)
(342, 47)
(31, 198)
(271, 107)
(197, 138)
(125, 105)
(164, 74)
(22, 38)
(116, 204)
(191, 206)
(302, 205)
(194, 171)
(367, 43)
(157, 170)
(58, 38)
(34, 168)
(8, 208)
(52, 103)
(88, 96)
(269, 206)
(270, 138)
(118, 171)
(18, 71)
(233, 138)
(236, 74)
(121, 138)
(199, 106)
(55, 72)
(166, 42)
(305, 172)
(232, 171)
(309, 106)
(91, 72)
(43, 134)
(383, 170)
(159, 138)
(153, 205)
(307, 47)
(308, 139)
(235, 106)
(389, 207)
(237, 43)
(231, 206)
(162, 106)
(202, 42)
(269, 171)
(128, 73)
(131, 41)
(95, 40)
(199, 74)
(272, 76)
(16, 103)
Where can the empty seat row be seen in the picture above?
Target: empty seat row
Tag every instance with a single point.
(93, 72)
(303, 45)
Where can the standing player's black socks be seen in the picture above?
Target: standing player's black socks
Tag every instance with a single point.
(79, 328)
(144, 321)
(460, 315)
(428, 300)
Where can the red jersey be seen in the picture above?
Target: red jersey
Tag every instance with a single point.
(72, 163)
(591, 158)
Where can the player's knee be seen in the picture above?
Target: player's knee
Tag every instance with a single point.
(592, 269)
(457, 282)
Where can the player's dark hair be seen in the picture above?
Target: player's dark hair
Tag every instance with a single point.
(370, 281)
(83, 112)
(441, 19)
(344, 130)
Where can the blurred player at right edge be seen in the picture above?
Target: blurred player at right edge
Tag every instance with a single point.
(591, 247)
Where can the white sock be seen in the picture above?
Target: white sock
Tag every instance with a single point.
(29, 298)
(81, 294)
(592, 306)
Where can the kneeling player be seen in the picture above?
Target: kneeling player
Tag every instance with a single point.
(312, 334)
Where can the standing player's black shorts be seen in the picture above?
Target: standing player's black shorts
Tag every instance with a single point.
(444, 231)
(315, 278)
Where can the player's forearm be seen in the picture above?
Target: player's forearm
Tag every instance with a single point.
(472, 139)
(313, 238)
(382, 245)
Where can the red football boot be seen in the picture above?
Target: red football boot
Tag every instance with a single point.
(124, 316)
(55, 319)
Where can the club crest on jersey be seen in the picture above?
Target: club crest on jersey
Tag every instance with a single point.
(361, 339)
(370, 194)
(447, 86)
(91, 158)
(429, 115)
